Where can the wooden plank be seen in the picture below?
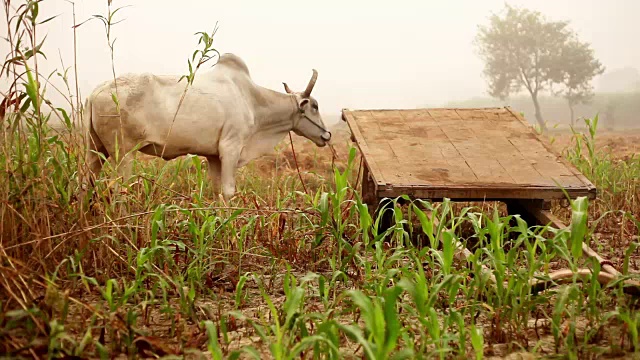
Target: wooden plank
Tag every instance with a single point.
(515, 164)
(461, 153)
(473, 149)
(369, 160)
(483, 192)
(547, 146)
(546, 162)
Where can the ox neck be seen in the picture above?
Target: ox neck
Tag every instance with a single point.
(274, 115)
(274, 111)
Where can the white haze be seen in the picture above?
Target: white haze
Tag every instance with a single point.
(369, 54)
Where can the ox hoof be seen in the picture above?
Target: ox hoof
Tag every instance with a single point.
(223, 200)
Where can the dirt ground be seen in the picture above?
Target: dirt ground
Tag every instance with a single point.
(621, 143)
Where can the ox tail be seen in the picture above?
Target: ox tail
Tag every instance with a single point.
(86, 117)
(94, 146)
(92, 138)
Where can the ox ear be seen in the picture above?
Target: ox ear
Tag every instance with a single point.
(303, 103)
(286, 88)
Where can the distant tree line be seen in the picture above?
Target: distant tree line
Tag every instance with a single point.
(524, 50)
(616, 110)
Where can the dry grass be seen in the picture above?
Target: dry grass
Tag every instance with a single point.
(182, 256)
(162, 267)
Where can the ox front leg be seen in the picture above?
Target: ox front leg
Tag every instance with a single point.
(229, 164)
(214, 170)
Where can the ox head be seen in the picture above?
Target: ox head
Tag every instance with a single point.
(308, 122)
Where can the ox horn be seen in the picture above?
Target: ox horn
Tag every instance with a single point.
(286, 88)
(312, 83)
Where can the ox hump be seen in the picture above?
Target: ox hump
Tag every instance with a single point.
(233, 61)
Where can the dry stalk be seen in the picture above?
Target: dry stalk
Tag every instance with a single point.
(295, 160)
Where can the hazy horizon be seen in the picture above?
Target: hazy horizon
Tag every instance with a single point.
(403, 54)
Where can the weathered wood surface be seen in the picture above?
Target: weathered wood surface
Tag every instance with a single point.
(484, 153)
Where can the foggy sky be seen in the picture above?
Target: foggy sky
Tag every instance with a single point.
(369, 54)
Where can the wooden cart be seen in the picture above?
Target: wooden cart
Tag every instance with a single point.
(482, 154)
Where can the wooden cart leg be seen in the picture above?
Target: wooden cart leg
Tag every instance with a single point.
(370, 198)
(527, 210)
(368, 191)
(386, 218)
(368, 188)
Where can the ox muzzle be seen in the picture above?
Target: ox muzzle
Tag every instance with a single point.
(326, 134)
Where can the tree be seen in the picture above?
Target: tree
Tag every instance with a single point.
(579, 67)
(525, 50)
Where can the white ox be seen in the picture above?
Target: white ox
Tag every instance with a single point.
(224, 117)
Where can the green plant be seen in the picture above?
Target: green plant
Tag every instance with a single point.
(161, 269)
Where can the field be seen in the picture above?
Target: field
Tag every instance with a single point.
(294, 266)
(164, 268)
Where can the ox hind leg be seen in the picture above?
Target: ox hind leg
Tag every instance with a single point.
(124, 166)
(95, 157)
(123, 152)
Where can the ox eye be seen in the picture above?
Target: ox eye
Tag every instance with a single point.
(315, 106)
